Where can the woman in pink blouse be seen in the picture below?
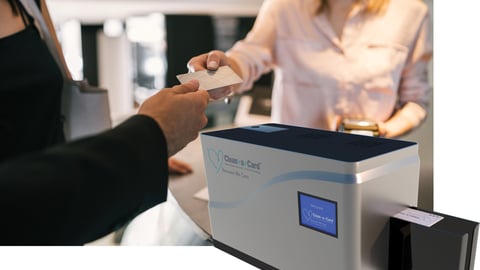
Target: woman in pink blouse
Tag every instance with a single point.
(337, 59)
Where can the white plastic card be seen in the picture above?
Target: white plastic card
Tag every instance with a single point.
(209, 80)
(418, 217)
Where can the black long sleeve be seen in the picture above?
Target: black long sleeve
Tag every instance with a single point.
(78, 192)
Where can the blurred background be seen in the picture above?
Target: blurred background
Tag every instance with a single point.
(134, 48)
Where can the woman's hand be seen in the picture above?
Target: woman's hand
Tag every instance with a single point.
(212, 61)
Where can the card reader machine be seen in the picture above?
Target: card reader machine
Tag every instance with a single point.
(286, 197)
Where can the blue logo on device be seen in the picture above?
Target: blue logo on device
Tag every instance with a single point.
(216, 158)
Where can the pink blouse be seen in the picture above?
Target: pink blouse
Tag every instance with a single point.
(379, 65)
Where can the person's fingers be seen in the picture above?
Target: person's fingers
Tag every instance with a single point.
(199, 103)
(204, 95)
(202, 106)
(188, 87)
(220, 92)
(178, 166)
(213, 60)
(382, 130)
(197, 63)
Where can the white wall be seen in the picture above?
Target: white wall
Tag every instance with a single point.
(95, 11)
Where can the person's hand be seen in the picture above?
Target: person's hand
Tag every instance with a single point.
(211, 61)
(180, 113)
(382, 130)
(395, 127)
(176, 166)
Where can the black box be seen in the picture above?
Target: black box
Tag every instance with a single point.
(449, 244)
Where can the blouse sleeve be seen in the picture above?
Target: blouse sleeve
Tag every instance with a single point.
(414, 89)
(254, 54)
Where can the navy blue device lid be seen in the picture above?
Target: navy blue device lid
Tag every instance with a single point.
(322, 143)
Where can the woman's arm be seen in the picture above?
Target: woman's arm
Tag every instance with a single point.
(414, 89)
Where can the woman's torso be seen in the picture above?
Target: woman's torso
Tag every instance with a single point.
(30, 95)
(320, 79)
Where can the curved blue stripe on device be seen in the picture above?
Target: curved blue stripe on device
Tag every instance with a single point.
(298, 175)
(323, 176)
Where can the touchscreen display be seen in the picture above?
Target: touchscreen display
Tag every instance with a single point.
(318, 214)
